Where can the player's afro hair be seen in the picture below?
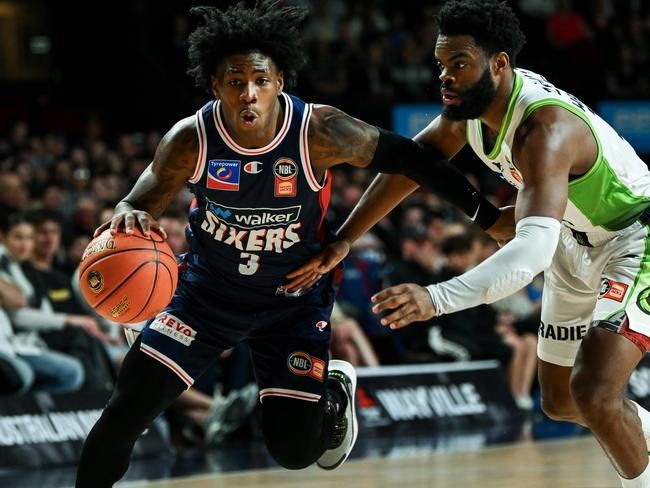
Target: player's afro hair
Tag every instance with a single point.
(266, 28)
(491, 23)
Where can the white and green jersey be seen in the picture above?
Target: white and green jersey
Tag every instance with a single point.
(610, 196)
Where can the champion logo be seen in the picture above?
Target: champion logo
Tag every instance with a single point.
(253, 167)
(320, 325)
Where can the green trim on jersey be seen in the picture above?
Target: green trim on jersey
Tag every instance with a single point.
(599, 194)
(505, 123)
(642, 275)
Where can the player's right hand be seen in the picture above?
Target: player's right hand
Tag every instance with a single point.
(313, 270)
(128, 219)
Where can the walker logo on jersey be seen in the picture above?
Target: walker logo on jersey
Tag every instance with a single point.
(302, 364)
(320, 325)
(223, 174)
(173, 327)
(254, 218)
(561, 332)
(643, 301)
(285, 171)
(613, 290)
(253, 167)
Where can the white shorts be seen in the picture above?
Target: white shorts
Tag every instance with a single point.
(585, 285)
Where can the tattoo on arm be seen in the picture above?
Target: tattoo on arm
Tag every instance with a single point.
(173, 164)
(335, 137)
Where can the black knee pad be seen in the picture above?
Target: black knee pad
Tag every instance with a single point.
(293, 430)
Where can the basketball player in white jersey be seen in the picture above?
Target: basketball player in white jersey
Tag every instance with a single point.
(582, 191)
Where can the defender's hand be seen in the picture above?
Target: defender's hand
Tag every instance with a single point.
(411, 302)
(128, 219)
(309, 273)
(503, 230)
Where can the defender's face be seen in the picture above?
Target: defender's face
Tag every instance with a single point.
(248, 86)
(467, 85)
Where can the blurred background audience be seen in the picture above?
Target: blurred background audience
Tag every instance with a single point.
(79, 128)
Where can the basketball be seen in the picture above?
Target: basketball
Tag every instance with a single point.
(128, 278)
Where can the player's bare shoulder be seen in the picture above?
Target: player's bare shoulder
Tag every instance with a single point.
(553, 132)
(178, 150)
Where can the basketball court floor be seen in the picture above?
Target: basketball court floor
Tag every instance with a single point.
(566, 463)
(526, 455)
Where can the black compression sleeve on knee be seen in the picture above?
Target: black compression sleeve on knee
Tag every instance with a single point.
(431, 170)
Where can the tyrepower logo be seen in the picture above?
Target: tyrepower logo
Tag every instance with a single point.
(254, 218)
(302, 364)
(173, 327)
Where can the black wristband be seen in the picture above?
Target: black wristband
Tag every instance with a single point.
(430, 169)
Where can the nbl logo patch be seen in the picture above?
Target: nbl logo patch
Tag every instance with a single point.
(285, 171)
(223, 174)
(302, 364)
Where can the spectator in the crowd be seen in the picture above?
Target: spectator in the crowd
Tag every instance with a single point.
(38, 367)
(480, 332)
(349, 342)
(420, 260)
(83, 343)
(174, 224)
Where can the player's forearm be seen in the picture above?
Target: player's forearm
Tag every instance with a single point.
(505, 272)
(382, 196)
(149, 194)
(429, 168)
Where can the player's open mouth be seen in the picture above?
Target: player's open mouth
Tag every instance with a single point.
(248, 118)
(448, 98)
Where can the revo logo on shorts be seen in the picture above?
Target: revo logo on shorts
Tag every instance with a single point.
(173, 327)
(302, 364)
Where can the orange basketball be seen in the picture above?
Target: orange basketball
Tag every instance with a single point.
(128, 278)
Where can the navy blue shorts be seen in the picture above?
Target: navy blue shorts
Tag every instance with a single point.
(289, 344)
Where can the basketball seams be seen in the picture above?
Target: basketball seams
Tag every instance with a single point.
(151, 291)
(127, 278)
(86, 264)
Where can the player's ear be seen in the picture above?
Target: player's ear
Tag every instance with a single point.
(501, 61)
(214, 82)
(280, 81)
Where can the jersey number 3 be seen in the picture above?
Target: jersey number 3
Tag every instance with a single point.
(251, 265)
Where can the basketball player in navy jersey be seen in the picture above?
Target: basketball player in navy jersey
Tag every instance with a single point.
(257, 161)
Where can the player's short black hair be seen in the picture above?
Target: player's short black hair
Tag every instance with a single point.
(491, 23)
(266, 28)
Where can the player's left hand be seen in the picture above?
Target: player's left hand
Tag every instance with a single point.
(411, 302)
(504, 229)
(322, 263)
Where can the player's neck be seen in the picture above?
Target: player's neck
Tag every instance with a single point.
(493, 116)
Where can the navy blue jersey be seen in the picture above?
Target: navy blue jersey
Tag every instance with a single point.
(258, 213)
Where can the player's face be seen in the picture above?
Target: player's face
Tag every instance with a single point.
(248, 86)
(467, 86)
